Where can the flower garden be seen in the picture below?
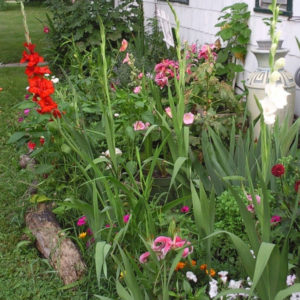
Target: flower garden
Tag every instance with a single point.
(146, 161)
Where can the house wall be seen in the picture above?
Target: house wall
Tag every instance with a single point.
(199, 17)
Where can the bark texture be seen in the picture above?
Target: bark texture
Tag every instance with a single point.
(52, 242)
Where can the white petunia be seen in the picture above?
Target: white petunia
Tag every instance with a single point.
(191, 276)
(117, 151)
(55, 80)
(213, 288)
(223, 276)
(295, 296)
(290, 280)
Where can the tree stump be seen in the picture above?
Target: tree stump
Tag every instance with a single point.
(52, 242)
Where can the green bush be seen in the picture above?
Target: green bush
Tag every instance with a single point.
(78, 22)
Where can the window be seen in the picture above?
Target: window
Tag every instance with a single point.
(179, 1)
(286, 6)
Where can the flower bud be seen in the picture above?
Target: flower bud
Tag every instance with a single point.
(279, 63)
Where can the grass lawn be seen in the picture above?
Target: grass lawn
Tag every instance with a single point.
(12, 31)
(23, 273)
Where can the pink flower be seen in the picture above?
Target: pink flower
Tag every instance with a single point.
(127, 59)
(140, 76)
(206, 50)
(126, 218)
(144, 257)
(82, 221)
(138, 126)
(26, 111)
(188, 118)
(46, 29)
(161, 80)
(137, 89)
(168, 111)
(147, 124)
(107, 226)
(162, 245)
(188, 69)
(193, 48)
(250, 208)
(20, 120)
(275, 219)
(89, 231)
(124, 45)
(249, 197)
(185, 209)
(178, 243)
(27, 96)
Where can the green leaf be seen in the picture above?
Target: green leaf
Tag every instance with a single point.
(122, 292)
(16, 136)
(39, 198)
(177, 166)
(102, 249)
(288, 291)
(43, 169)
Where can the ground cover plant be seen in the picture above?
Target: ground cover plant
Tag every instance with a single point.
(159, 194)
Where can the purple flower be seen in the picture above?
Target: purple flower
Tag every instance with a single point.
(27, 96)
(81, 221)
(20, 120)
(185, 209)
(89, 231)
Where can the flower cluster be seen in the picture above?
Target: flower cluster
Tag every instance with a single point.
(163, 244)
(140, 126)
(39, 86)
(250, 207)
(165, 70)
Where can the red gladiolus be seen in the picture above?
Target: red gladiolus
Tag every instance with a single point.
(297, 186)
(278, 170)
(40, 87)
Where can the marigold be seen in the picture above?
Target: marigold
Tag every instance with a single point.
(82, 235)
(193, 262)
(212, 272)
(203, 267)
(180, 266)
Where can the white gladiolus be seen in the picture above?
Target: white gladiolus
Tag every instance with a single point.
(269, 110)
(277, 94)
(279, 63)
(274, 77)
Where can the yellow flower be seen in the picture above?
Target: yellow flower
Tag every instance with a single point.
(122, 274)
(82, 235)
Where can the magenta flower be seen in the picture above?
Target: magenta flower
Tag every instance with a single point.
(185, 209)
(46, 29)
(107, 226)
(82, 221)
(126, 218)
(127, 59)
(168, 111)
(27, 96)
(137, 89)
(89, 231)
(144, 257)
(275, 219)
(188, 118)
(138, 126)
(20, 120)
(26, 111)
(250, 208)
(206, 50)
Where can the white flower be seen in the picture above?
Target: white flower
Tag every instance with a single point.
(191, 276)
(27, 88)
(252, 253)
(235, 284)
(116, 115)
(290, 280)
(117, 151)
(277, 94)
(223, 276)
(55, 80)
(279, 63)
(47, 75)
(249, 281)
(274, 77)
(213, 288)
(269, 110)
(295, 296)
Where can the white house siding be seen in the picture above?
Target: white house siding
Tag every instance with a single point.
(197, 21)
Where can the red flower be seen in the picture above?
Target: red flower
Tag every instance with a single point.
(47, 105)
(42, 140)
(46, 29)
(30, 47)
(297, 186)
(31, 145)
(41, 86)
(278, 170)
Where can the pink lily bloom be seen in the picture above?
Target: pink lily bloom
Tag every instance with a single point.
(162, 245)
(124, 45)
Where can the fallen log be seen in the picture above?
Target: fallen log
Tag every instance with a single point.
(52, 242)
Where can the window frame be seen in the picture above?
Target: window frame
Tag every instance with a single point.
(185, 2)
(288, 12)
